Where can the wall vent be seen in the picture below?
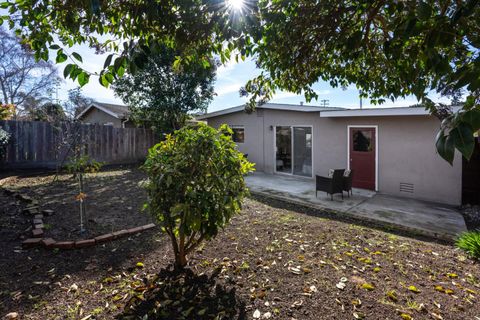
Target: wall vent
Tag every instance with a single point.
(406, 187)
(259, 112)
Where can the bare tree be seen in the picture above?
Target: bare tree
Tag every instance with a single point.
(76, 102)
(22, 78)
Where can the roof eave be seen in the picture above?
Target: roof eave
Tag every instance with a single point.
(378, 112)
(94, 105)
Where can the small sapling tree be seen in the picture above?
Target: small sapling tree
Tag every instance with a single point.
(79, 165)
(196, 184)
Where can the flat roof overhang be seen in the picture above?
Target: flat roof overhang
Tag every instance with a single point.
(378, 112)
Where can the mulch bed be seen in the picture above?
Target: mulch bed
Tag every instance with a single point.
(274, 261)
(114, 201)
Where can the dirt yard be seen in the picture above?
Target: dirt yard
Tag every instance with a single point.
(274, 261)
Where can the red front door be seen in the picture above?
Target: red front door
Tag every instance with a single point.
(362, 157)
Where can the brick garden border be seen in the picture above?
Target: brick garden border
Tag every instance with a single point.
(37, 239)
(50, 243)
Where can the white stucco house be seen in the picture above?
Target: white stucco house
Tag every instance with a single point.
(391, 150)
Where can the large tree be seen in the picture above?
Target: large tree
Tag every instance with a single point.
(161, 96)
(49, 112)
(387, 48)
(22, 78)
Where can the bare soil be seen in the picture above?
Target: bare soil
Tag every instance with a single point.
(274, 260)
(114, 201)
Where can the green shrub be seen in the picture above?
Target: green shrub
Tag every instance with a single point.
(83, 164)
(470, 242)
(195, 185)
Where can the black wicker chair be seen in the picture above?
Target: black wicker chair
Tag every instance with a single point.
(330, 185)
(347, 183)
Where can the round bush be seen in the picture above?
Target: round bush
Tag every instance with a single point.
(196, 184)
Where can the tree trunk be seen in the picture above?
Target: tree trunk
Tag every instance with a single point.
(179, 252)
(180, 260)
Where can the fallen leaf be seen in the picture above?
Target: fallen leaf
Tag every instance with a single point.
(357, 315)
(413, 289)
(368, 286)
(439, 288)
(73, 288)
(294, 270)
(306, 270)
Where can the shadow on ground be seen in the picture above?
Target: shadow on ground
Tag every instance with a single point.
(346, 219)
(185, 295)
(29, 277)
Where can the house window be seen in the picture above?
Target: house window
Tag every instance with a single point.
(238, 134)
(362, 140)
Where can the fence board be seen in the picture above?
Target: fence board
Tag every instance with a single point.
(39, 144)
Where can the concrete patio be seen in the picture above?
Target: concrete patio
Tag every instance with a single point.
(428, 218)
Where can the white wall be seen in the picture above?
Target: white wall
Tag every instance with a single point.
(405, 145)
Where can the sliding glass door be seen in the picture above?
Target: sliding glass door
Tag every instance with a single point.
(283, 156)
(302, 151)
(293, 154)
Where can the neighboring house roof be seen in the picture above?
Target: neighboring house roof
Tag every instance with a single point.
(379, 112)
(115, 110)
(272, 106)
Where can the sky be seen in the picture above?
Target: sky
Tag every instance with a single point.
(230, 77)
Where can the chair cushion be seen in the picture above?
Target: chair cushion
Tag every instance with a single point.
(330, 173)
(347, 173)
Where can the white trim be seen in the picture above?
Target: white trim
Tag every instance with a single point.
(376, 148)
(275, 150)
(377, 112)
(271, 106)
(94, 105)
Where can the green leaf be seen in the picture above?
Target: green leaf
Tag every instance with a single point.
(445, 147)
(118, 63)
(54, 47)
(77, 56)
(83, 78)
(472, 117)
(120, 71)
(462, 136)
(4, 5)
(109, 77)
(61, 57)
(103, 81)
(424, 11)
(108, 61)
(132, 68)
(68, 69)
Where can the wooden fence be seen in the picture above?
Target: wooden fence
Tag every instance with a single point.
(36, 144)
